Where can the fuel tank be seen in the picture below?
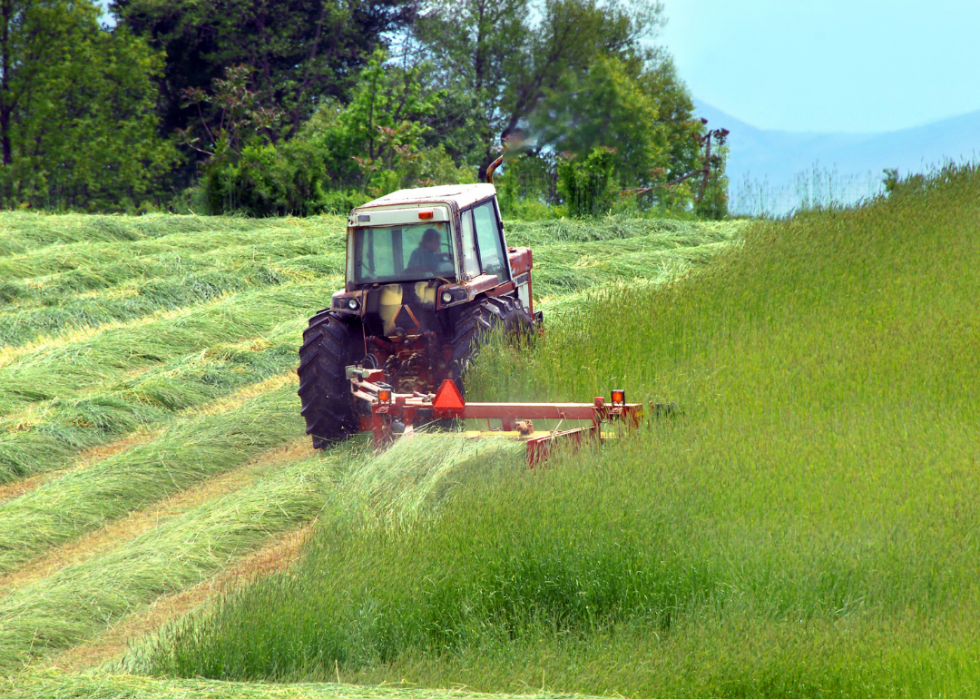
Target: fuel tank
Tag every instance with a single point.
(402, 309)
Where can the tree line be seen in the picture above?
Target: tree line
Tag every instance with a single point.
(306, 106)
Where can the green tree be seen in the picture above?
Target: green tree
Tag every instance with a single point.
(343, 154)
(300, 52)
(506, 55)
(588, 187)
(77, 119)
(606, 107)
(712, 199)
(635, 108)
(675, 111)
(380, 141)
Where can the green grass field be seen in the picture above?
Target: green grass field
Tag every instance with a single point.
(807, 526)
(150, 436)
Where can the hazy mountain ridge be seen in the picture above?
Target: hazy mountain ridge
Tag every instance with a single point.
(778, 156)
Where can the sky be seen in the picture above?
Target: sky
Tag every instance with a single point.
(854, 66)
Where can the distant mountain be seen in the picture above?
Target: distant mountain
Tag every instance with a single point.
(779, 157)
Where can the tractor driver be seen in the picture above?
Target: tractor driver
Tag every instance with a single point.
(427, 257)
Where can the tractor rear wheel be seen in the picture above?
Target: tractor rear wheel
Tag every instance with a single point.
(475, 322)
(328, 406)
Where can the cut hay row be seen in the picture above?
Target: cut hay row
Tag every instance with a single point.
(54, 273)
(46, 437)
(116, 533)
(81, 601)
(573, 256)
(111, 650)
(398, 490)
(26, 233)
(131, 302)
(562, 283)
(58, 685)
(85, 458)
(412, 477)
(189, 452)
(23, 233)
(88, 266)
(64, 370)
(611, 228)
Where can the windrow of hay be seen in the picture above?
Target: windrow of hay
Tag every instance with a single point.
(107, 286)
(110, 651)
(84, 459)
(22, 232)
(391, 494)
(563, 231)
(566, 288)
(142, 301)
(190, 451)
(81, 601)
(47, 436)
(412, 477)
(92, 266)
(574, 256)
(65, 370)
(137, 522)
(175, 279)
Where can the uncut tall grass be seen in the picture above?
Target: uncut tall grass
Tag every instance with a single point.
(807, 527)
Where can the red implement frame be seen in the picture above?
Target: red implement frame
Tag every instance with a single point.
(395, 413)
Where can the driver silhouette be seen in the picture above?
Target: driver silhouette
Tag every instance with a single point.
(427, 256)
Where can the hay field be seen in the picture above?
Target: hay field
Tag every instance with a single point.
(151, 448)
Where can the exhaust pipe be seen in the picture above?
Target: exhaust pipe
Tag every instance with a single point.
(493, 166)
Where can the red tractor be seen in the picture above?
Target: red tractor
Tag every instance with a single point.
(428, 273)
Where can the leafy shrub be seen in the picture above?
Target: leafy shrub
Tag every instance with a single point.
(267, 181)
(588, 188)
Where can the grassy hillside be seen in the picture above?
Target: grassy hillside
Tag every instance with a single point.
(807, 528)
(151, 447)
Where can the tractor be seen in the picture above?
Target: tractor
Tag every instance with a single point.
(428, 274)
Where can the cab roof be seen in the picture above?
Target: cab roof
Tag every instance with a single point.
(462, 194)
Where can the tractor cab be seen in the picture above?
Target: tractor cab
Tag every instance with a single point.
(415, 253)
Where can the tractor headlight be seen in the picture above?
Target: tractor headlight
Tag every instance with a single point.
(447, 297)
(352, 304)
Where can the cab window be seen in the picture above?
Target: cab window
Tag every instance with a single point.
(403, 253)
(471, 263)
(488, 238)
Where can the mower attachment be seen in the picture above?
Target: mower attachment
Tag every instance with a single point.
(394, 414)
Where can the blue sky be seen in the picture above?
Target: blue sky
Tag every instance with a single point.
(829, 65)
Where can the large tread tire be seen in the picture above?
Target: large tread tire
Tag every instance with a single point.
(328, 405)
(476, 321)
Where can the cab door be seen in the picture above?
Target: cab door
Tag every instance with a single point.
(487, 239)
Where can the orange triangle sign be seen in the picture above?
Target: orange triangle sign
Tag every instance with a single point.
(448, 397)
